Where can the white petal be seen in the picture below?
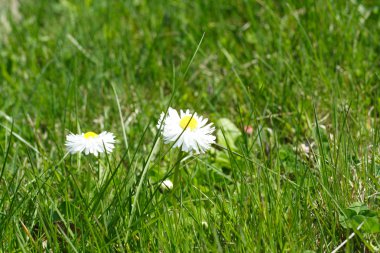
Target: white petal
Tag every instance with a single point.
(77, 143)
(198, 140)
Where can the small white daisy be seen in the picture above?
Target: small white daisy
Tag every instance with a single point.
(90, 142)
(188, 130)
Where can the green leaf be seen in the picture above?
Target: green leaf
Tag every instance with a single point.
(227, 133)
(358, 208)
(377, 170)
(358, 213)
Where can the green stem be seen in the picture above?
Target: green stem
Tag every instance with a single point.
(177, 165)
(99, 175)
(177, 182)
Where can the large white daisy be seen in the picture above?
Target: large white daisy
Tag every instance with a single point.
(188, 131)
(90, 142)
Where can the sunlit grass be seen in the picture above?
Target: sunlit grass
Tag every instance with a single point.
(291, 87)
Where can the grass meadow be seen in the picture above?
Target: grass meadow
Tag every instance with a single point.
(292, 88)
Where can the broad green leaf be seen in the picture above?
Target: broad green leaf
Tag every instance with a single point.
(358, 213)
(227, 133)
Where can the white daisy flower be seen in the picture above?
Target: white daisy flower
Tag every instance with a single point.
(90, 142)
(189, 131)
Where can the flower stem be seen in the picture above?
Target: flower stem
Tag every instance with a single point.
(177, 165)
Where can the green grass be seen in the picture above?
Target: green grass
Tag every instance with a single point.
(298, 72)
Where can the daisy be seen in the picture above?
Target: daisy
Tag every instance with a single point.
(188, 131)
(90, 142)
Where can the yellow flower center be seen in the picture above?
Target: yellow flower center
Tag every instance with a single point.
(189, 122)
(89, 135)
